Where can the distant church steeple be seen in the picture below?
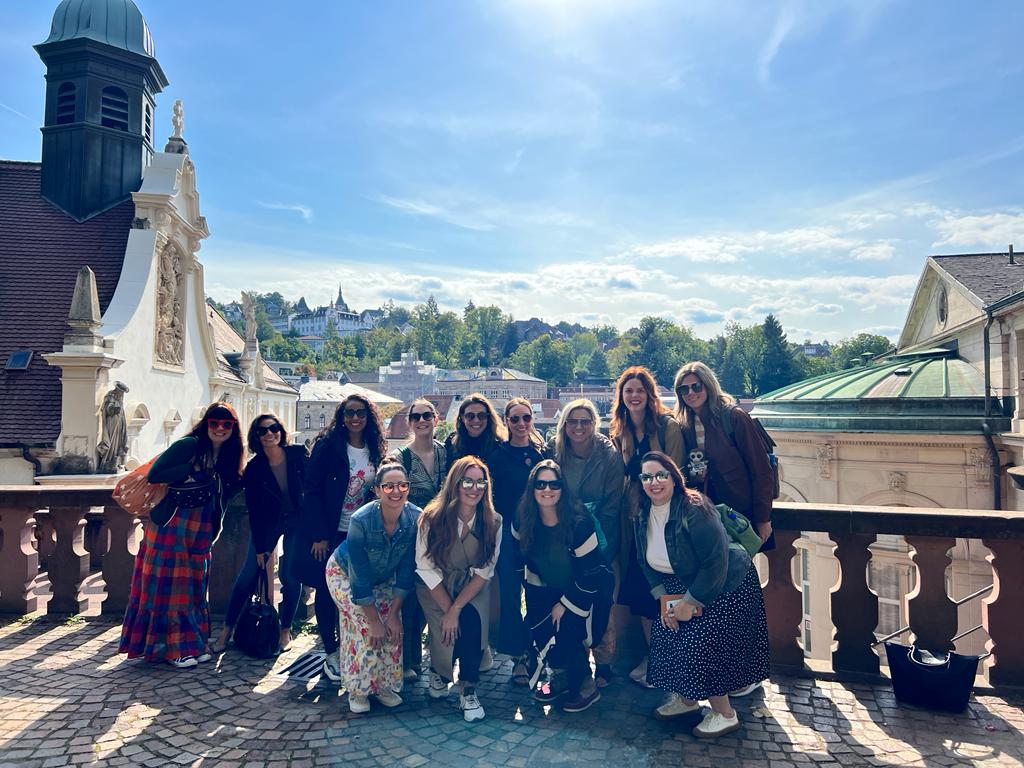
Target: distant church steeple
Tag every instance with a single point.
(101, 81)
(339, 303)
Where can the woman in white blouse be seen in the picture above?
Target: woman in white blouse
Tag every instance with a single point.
(457, 545)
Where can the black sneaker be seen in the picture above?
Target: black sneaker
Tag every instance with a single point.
(548, 692)
(581, 702)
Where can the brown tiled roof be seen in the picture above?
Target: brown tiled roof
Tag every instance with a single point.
(41, 251)
(398, 429)
(227, 341)
(989, 276)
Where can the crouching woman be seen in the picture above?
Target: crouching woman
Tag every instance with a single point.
(456, 548)
(712, 638)
(369, 575)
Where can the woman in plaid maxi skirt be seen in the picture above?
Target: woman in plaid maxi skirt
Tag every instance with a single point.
(168, 615)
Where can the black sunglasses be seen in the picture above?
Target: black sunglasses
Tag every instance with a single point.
(540, 485)
(527, 418)
(426, 416)
(356, 413)
(261, 431)
(474, 416)
(572, 423)
(685, 389)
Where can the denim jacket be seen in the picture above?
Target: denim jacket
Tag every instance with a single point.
(699, 550)
(370, 557)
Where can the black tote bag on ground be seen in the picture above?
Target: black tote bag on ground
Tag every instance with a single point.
(258, 630)
(944, 684)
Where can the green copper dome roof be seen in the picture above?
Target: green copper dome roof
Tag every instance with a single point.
(932, 390)
(118, 23)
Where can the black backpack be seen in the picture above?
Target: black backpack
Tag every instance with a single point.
(766, 441)
(258, 629)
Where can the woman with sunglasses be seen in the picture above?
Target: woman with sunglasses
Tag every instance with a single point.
(593, 471)
(478, 430)
(725, 457)
(456, 549)
(168, 613)
(563, 571)
(338, 482)
(510, 467)
(369, 576)
(426, 463)
(640, 423)
(712, 636)
(273, 495)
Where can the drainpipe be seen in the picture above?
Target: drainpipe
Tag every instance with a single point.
(997, 490)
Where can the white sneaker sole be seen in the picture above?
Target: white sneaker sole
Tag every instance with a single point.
(472, 715)
(715, 734)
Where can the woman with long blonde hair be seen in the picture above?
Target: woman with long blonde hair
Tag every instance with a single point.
(457, 545)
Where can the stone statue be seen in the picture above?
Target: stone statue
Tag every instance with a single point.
(249, 309)
(113, 446)
(178, 120)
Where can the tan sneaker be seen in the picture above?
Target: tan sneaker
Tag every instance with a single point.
(675, 706)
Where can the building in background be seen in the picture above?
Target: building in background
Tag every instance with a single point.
(407, 378)
(499, 385)
(318, 400)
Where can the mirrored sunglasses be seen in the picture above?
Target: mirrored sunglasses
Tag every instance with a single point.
(468, 483)
(401, 485)
(661, 476)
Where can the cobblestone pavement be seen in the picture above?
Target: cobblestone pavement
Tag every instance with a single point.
(66, 698)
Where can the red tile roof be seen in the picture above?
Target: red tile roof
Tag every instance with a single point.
(41, 251)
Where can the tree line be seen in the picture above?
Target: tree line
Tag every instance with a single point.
(750, 360)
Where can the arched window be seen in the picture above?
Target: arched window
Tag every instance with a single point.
(114, 108)
(66, 103)
(323, 421)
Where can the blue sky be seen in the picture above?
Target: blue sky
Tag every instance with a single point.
(586, 160)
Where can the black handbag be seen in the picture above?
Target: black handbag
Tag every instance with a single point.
(258, 629)
(934, 682)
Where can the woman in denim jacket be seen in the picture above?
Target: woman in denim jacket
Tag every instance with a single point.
(369, 575)
(712, 637)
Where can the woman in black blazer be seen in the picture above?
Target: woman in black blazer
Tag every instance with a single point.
(273, 481)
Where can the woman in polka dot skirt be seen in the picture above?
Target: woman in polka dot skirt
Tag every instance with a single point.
(713, 638)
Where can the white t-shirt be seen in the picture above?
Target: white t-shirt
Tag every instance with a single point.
(360, 474)
(657, 550)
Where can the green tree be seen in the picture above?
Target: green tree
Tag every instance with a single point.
(545, 358)
(286, 349)
(606, 334)
(740, 365)
(486, 326)
(663, 346)
(597, 365)
(583, 345)
(777, 367)
(850, 352)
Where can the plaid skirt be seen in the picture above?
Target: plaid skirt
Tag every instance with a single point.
(720, 651)
(168, 614)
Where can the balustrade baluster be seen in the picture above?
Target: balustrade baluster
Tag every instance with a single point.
(1002, 613)
(782, 603)
(932, 613)
(69, 565)
(854, 606)
(118, 562)
(19, 561)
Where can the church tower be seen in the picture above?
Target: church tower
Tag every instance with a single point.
(101, 81)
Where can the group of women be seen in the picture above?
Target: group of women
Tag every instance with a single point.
(393, 543)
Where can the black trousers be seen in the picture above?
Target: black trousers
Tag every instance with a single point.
(413, 622)
(468, 651)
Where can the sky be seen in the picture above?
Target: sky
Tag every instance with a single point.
(592, 161)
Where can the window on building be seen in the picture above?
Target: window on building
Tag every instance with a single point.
(66, 103)
(114, 108)
(309, 421)
(323, 421)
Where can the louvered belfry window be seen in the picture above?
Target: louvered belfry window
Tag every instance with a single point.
(66, 103)
(114, 108)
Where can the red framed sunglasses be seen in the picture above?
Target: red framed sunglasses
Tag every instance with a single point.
(220, 423)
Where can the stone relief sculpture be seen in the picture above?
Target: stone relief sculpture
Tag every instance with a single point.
(113, 446)
(170, 330)
(826, 454)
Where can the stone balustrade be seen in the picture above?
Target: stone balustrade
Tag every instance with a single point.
(49, 524)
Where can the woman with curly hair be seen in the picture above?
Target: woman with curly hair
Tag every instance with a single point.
(339, 480)
(640, 423)
(456, 549)
(168, 613)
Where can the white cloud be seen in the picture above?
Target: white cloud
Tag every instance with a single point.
(728, 248)
(992, 231)
(784, 23)
(481, 214)
(873, 252)
(303, 210)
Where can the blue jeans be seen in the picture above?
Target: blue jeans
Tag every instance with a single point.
(513, 636)
(245, 585)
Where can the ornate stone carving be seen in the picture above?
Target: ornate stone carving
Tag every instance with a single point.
(897, 481)
(170, 320)
(826, 455)
(178, 120)
(249, 310)
(113, 446)
(980, 465)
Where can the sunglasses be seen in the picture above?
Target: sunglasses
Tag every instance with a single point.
(527, 418)
(261, 431)
(542, 485)
(661, 476)
(401, 485)
(475, 416)
(573, 423)
(469, 483)
(426, 416)
(356, 413)
(220, 423)
(685, 389)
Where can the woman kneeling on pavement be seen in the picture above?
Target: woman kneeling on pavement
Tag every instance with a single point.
(369, 575)
(564, 569)
(712, 637)
(456, 548)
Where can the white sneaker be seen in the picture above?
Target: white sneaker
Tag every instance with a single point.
(487, 661)
(358, 704)
(745, 691)
(389, 698)
(438, 688)
(471, 709)
(674, 707)
(639, 674)
(204, 657)
(185, 662)
(332, 667)
(714, 725)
